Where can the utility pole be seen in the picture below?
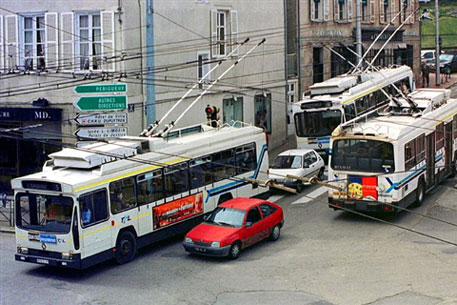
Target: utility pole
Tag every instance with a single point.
(358, 31)
(437, 44)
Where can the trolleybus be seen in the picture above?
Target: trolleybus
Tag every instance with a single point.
(342, 98)
(106, 200)
(390, 159)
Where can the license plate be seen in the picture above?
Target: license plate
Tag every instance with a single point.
(42, 261)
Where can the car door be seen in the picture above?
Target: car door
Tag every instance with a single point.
(253, 227)
(310, 164)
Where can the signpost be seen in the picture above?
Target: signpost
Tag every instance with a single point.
(101, 103)
(101, 88)
(101, 118)
(101, 132)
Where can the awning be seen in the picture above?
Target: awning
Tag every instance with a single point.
(389, 46)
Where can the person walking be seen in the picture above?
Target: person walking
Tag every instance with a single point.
(425, 71)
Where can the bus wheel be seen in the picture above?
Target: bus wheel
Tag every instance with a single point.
(125, 247)
(454, 167)
(420, 193)
(235, 250)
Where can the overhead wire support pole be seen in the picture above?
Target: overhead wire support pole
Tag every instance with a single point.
(172, 124)
(358, 31)
(376, 39)
(437, 44)
(155, 125)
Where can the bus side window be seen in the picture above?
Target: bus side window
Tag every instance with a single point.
(93, 207)
(349, 112)
(245, 158)
(150, 187)
(176, 179)
(122, 195)
(223, 164)
(200, 172)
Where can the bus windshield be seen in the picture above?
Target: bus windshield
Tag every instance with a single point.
(362, 155)
(317, 123)
(43, 212)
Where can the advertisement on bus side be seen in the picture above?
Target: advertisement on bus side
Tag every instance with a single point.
(169, 213)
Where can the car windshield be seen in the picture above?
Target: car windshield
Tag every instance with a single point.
(316, 123)
(362, 155)
(446, 57)
(43, 212)
(226, 217)
(287, 162)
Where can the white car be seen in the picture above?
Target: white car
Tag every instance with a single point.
(298, 162)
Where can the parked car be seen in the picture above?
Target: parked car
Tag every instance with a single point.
(424, 1)
(298, 162)
(447, 61)
(427, 56)
(235, 225)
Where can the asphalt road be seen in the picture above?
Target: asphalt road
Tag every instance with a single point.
(323, 257)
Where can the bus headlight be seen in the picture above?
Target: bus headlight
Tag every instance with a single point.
(22, 250)
(188, 240)
(67, 255)
(215, 244)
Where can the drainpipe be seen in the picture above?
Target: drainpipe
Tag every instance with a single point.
(150, 88)
(140, 20)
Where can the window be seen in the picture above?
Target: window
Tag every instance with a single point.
(407, 7)
(245, 157)
(201, 173)
(262, 110)
(176, 179)
(343, 10)
(223, 164)
(420, 148)
(232, 109)
(410, 155)
(34, 43)
(224, 30)
(367, 10)
(454, 126)
(122, 195)
(349, 111)
(384, 11)
(89, 41)
(341, 65)
(439, 136)
(203, 68)
(93, 207)
(253, 216)
(319, 10)
(267, 210)
(150, 187)
(291, 91)
(318, 65)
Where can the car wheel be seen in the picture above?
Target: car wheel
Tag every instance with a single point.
(321, 174)
(125, 247)
(300, 187)
(235, 250)
(275, 233)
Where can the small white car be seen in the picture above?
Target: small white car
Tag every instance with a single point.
(298, 162)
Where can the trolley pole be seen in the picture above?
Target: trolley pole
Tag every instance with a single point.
(437, 44)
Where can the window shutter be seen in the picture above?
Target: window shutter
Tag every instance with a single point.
(411, 7)
(350, 10)
(391, 11)
(326, 10)
(214, 41)
(108, 41)
(372, 13)
(234, 30)
(12, 46)
(381, 11)
(67, 52)
(311, 10)
(51, 51)
(335, 9)
(2, 54)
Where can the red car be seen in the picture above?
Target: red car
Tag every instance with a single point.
(235, 225)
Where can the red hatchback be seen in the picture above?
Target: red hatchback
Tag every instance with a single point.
(234, 225)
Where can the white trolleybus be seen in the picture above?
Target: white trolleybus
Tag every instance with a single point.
(112, 198)
(392, 158)
(341, 99)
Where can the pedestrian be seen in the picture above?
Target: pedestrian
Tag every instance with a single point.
(425, 71)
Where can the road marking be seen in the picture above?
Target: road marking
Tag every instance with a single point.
(311, 196)
(275, 198)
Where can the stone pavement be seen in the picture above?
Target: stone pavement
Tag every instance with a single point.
(445, 83)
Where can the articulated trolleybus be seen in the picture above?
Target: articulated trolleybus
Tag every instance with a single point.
(341, 99)
(109, 199)
(388, 160)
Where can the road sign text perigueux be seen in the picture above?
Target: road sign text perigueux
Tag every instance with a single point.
(101, 88)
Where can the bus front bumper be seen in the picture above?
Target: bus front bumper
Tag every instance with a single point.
(75, 262)
(361, 205)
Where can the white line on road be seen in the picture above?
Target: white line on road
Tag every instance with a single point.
(275, 198)
(309, 197)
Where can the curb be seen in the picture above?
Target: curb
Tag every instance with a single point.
(7, 230)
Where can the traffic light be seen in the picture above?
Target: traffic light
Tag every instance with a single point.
(405, 3)
(212, 115)
(386, 2)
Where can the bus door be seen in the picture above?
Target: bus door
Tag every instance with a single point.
(430, 159)
(448, 147)
(94, 218)
(150, 194)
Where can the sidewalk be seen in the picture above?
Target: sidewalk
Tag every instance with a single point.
(445, 84)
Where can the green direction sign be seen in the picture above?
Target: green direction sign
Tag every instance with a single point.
(101, 88)
(101, 103)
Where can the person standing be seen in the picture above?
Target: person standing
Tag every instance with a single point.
(425, 71)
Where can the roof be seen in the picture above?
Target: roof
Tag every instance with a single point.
(241, 203)
(293, 152)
